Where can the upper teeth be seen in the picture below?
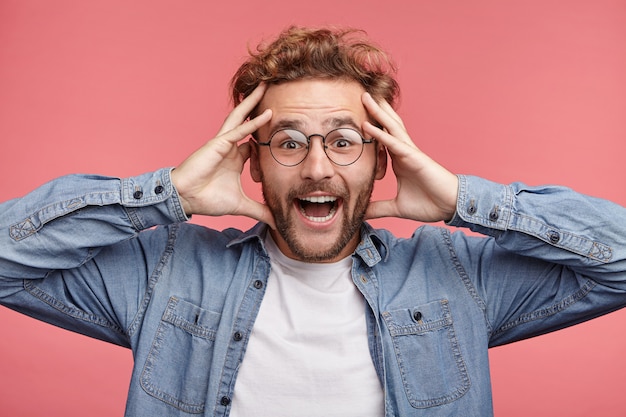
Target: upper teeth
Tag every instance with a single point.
(320, 199)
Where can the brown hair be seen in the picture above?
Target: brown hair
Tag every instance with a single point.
(300, 53)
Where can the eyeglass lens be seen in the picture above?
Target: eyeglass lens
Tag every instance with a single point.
(343, 146)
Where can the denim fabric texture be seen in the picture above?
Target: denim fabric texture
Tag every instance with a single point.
(83, 253)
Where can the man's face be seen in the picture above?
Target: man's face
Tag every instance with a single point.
(318, 206)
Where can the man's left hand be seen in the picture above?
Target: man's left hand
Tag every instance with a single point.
(426, 191)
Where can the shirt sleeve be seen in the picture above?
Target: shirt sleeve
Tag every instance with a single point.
(63, 223)
(557, 258)
(69, 256)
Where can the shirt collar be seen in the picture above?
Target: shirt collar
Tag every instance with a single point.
(372, 248)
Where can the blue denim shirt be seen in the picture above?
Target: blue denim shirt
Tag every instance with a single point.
(82, 253)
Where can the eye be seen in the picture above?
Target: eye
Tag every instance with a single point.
(341, 143)
(343, 139)
(289, 140)
(290, 145)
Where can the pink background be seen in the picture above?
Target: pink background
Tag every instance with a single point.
(529, 90)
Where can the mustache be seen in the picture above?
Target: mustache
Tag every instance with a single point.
(324, 186)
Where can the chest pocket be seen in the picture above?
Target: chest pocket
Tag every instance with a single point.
(177, 368)
(431, 366)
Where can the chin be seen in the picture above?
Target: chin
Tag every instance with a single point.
(310, 252)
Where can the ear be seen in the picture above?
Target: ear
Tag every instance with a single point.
(255, 167)
(381, 161)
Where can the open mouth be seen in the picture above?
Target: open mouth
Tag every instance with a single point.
(318, 208)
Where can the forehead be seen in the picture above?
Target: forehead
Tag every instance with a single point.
(314, 102)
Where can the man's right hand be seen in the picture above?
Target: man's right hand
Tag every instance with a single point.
(209, 180)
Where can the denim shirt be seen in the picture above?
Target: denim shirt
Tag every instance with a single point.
(82, 253)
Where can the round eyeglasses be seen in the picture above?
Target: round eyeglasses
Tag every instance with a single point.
(343, 146)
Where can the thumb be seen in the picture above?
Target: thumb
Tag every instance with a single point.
(260, 212)
(378, 209)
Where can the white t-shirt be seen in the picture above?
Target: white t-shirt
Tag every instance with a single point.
(308, 352)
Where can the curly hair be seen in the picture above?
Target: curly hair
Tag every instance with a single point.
(300, 53)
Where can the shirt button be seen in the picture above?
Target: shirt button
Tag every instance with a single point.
(237, 336)
(417, 315)
(158, 189)
(258, 284)
(554, 237)
(138, 194)
(493, 216)
(471, 209)
(225, 401)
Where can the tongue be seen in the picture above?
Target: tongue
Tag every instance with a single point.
(316, 209)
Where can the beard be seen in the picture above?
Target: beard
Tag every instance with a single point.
(285, 222)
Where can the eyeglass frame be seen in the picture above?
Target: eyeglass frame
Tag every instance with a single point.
(324, 146)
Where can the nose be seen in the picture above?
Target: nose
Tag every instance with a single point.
(316, 166)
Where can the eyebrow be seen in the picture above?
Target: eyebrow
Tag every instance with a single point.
(332, 123)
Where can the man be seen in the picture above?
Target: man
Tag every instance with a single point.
(312, 312)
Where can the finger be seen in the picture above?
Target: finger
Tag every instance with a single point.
(244, 151)
(387, 108)
(395, 145)
(241, 112)
(243, 130)
(385, 114)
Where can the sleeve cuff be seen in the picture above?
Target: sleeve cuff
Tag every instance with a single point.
(152, 190)
(483, 203)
